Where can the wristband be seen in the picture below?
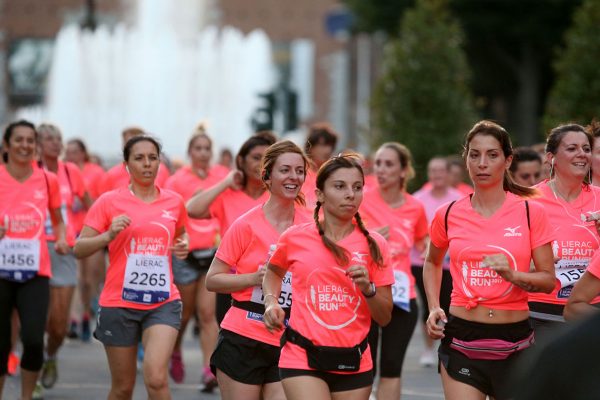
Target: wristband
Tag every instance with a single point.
(372, 292)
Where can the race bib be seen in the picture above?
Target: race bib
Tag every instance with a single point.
(401, 290)
(19, 259)
(568, 272)
(147, 279)
(285, 296)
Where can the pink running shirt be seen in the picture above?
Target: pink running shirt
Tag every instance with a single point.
(246, 247)
(407, 225)
(202, 232)
(328, 309)
(72, 190)
(471, 236)
(575, 241)
(24, 208)
(143, 248)
(231, 204)
(118, 176)
(93, 175)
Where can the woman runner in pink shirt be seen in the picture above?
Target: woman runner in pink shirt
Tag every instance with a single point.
(27, 195)
(64, 267)
(341, 279)
(91, 271)
(246, 356)
(569, 200)
(241, 190)
(401, 219)
(492, 236)
(142, 225)
(189, 274)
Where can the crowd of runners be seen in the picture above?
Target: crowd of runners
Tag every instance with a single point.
(304, 270)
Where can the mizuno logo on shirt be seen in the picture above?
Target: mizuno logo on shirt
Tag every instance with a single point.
(512, 232)
(38, 194)
(359, 257)
(167, 215)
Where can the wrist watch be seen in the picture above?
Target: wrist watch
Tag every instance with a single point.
(372, 292)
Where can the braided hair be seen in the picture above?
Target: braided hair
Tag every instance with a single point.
(348, 160)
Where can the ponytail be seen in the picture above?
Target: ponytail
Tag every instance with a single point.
(373, 246)
(339, 253)
(510, 185)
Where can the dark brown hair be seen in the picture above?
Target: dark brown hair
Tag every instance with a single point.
(136, 139)
(320, 133)
(489, 128)
(262, 138)
(349, 160)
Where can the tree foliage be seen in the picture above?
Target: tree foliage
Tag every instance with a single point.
(575, 95)
(422, 98)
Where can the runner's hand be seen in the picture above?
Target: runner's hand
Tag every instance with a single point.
(274, 315)
(62, 247)
(360, 276)
(235, 179)
(499, 263)
(181, 248)
(435, 323)
(259, 275)
(119, 223)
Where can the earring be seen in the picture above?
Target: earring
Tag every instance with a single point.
(551, 168)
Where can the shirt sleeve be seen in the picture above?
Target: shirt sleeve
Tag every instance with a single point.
(234, 243)
(421, 227)
(98, 216)
(541, 232)
(54, 197)
(437, 233)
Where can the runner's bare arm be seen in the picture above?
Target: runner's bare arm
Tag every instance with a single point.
(58, 225)
(90, 240)
(540, 280)
(220, 279)
(271, 287)
(432, 280)
(199, 205)
(584, 291)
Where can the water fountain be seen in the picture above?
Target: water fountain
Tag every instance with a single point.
(162, 74)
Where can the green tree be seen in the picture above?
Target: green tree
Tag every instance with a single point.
(575, 95)
(509, 45)
(422, 98)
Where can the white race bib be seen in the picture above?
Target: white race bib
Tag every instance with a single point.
(568, 272)
(19, 259)
(147, 279)
(401, 290)
(285, 296)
